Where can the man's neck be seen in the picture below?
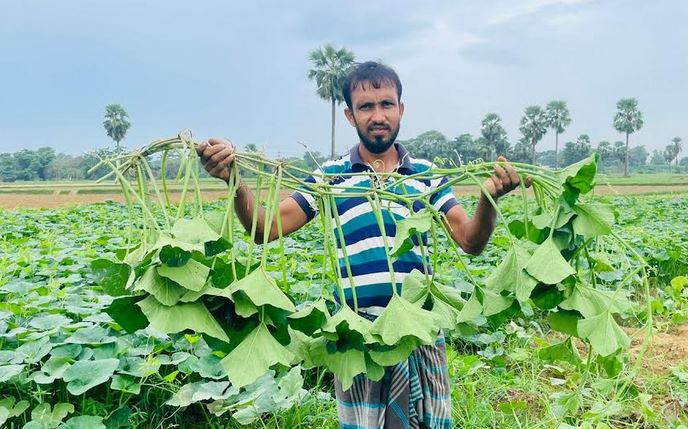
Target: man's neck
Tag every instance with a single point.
(384, 162)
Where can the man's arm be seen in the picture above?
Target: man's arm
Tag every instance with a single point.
(217, 156)
(291, 215)
(473, 234)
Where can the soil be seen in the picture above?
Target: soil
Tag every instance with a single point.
(667, 349)
(48, 201)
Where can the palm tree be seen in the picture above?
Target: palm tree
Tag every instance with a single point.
(533, 126)
(494, 134)
(558, 118)
(677, 147)
(116, 123)
(628, 119)
(330, 69)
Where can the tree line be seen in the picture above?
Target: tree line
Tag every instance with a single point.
(330, 67)
(536, 121)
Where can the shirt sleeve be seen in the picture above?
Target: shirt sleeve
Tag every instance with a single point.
(442, 200)
(305, 199)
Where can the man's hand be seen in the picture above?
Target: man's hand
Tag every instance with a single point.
(504, 179)
(217, 156)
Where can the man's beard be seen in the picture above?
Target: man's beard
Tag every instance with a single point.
(379, 144)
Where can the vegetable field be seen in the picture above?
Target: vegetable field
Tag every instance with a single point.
(157, 314)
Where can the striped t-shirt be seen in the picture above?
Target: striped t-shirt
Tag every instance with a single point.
(364, 243)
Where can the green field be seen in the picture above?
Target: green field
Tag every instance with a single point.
(209, 184)
(511, 376)
(149, 315)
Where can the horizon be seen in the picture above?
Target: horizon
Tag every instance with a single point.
(174, 66)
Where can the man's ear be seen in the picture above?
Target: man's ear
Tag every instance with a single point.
(401, 109)
(350, 116)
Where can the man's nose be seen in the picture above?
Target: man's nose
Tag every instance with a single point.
(378, 114)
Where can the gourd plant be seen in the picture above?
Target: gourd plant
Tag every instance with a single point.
(185, 273)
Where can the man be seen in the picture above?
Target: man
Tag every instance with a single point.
(415, 393)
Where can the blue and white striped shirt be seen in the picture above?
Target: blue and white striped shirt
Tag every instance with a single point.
(364, 242)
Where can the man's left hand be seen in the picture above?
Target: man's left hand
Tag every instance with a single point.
(504, 179)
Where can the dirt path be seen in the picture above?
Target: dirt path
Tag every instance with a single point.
(17, 200)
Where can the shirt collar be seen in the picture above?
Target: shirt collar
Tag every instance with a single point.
(404, 157)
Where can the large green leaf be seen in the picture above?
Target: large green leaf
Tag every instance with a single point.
(416, 223)
(300, 345)
(564, 351)
(115, 278)
(34, 351)
(547, 265)
(262, 289)
(51, 370)
(578, 178)
(8, 408)
(83, 422)
(546, 220)
(470, 310)
(254, 357)
(593, 220)
(164, 290)
(589, 301)
(44, 415)
(243, 306)
(392, 355)
(344, 365)
(86, 374)
(447, 315)
(448, 294)
(91, 335)
(202, 391)
(126, 383)
(310, 318)
(165, 240)
(494, 303)
(565, 321)
(191, 275)
(194, 231)
(170, 320)
(605, 336)
(374, 371)
(127, 315)
(346, 323)
(413, 288)
(173, 256)
(511, 275)
(9, 371)
(402, 319)
(47, 322)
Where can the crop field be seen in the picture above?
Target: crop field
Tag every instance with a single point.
(543, 352)
(62, 194)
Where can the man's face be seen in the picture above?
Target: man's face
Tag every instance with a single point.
(376, 114)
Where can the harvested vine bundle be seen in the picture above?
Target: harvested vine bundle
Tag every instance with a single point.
(185, 272)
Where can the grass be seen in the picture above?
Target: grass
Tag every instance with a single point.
(644, 179)
(209, 184)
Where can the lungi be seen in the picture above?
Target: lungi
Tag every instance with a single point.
(413, 394)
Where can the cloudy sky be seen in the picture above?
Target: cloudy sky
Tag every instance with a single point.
(238, 69)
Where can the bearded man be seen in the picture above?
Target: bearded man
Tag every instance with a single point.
(414, 393)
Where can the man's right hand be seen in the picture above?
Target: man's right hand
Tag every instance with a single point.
(217, 156)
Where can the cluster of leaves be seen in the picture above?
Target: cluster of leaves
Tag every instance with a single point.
(549, 263)
(57, 342)
(187, 311)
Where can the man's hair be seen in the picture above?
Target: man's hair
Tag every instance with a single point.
(376, 73)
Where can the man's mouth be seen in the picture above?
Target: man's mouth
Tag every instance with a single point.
(378, 130)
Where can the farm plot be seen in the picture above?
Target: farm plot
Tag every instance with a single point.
(64, 361)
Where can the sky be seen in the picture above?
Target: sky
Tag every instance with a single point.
(238, 69)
